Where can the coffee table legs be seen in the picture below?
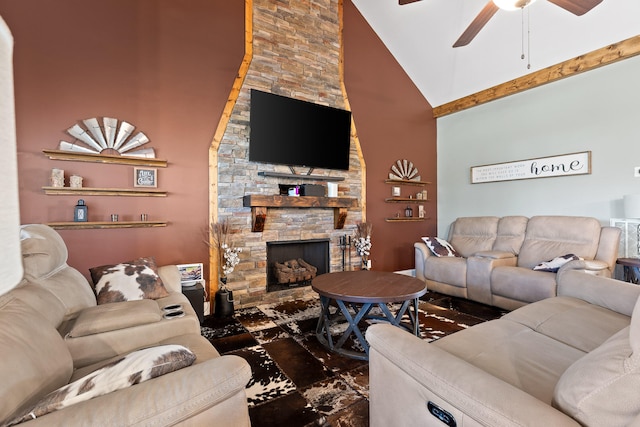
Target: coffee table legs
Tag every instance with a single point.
(361, 311)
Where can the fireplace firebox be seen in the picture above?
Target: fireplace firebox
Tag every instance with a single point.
(293, 263)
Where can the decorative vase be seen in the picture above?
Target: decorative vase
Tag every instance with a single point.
(223, 300)
(366, 263)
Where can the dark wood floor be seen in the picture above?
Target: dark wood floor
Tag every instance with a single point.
(298, 382)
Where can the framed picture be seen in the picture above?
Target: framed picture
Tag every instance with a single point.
(395, 191)
(145, 177)
(190, 274)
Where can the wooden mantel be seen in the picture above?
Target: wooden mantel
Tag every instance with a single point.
(260, 203)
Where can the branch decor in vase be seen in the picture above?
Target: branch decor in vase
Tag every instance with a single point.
(362, 243)
(227, 252)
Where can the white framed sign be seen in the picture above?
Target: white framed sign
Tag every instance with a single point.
(541, 167)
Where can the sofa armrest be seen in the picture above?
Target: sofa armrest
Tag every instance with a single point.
(114, 316)
(168, 400)
(421, 253)
(479, 268)
(609, 293)
(405, 373)
(170, 277)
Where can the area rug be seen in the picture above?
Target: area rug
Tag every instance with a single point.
(298, 382)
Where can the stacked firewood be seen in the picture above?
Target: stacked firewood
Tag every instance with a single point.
(294, 270)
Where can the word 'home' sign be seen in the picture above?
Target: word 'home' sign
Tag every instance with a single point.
(542, 167)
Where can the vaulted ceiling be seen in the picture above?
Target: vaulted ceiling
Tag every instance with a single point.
(420, 35)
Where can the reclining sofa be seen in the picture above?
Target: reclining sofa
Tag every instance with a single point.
(569, 360)
(54, 338)
(497, 257)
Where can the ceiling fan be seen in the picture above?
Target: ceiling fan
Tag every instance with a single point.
(577, 7)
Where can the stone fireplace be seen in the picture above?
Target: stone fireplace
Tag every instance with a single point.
(294, 50)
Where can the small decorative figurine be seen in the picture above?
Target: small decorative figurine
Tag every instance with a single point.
(57, 177)
(75, 181)
(80, 212)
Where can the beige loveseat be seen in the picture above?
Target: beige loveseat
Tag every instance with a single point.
(569, 360)
(52, 333)
(498, 256)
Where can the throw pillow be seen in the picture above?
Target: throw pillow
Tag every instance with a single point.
(554, 265)
(440, 247)
(134, 368)
(128, 281)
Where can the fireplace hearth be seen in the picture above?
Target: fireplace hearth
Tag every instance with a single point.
(294, 263)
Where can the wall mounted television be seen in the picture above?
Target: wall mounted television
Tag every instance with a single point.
(292, 132)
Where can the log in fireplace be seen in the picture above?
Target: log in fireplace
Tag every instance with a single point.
(293, 263)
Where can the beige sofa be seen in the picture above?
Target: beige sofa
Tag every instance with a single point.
(569, 360)
(52, 333)
(498, 256)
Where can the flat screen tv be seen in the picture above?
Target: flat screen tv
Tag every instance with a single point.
(292, 132)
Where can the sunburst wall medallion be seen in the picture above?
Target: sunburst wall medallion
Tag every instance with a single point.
(110, 138)
(404, 170)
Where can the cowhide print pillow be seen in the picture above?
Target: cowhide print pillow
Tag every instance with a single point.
(134, 368)
(554, 265)
(440, 247)
(127, 281)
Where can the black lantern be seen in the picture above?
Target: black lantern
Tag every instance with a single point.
(80, 212)
(408, 212)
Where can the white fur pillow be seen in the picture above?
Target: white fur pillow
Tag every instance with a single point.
(440, 247)
(134, 368)
(128, 281)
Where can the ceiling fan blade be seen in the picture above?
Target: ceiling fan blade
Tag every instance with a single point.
(403, 2)
(476, 25)
(577, 7)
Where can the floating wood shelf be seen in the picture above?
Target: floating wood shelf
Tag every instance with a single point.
(405, 219)
(301, 176)
(404, 200)
(89, 191)
(406, 182)
(259, 204)
(105, 158)
(105, 224)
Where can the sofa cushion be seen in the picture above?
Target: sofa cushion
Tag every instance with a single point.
(473, 234)
(127, 281)
(134, 368)
(601, 389)
(440, 247)
(449, 270)
(550, 236)
(522, 284)
(510, 235)
(35, 360)
(44, 257)
(554, 265)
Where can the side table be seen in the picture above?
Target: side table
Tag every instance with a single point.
(631, 269)
(195, 295)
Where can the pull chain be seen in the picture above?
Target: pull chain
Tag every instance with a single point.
(522, 56)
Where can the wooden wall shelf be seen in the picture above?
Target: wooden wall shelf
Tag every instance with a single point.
(406, 182)
(259, 204)
(89, 191)
(105, 224)
(404, 200)
(105, 158)
(301, 176)
(405, 219)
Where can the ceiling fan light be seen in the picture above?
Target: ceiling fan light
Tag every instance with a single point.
(512, 4)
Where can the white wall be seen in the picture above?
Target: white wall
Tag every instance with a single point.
(597, 111)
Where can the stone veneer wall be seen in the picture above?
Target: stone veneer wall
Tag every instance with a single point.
(296, 53)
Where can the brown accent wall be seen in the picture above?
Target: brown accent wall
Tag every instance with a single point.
(164, 66)
(167, 67)
(394, 122)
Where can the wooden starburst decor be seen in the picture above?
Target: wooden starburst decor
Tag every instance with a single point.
(404, 170)
(110, 138)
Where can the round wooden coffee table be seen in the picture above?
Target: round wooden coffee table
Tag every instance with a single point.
(361, 291)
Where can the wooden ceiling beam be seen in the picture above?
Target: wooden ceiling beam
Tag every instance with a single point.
(597, 58)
